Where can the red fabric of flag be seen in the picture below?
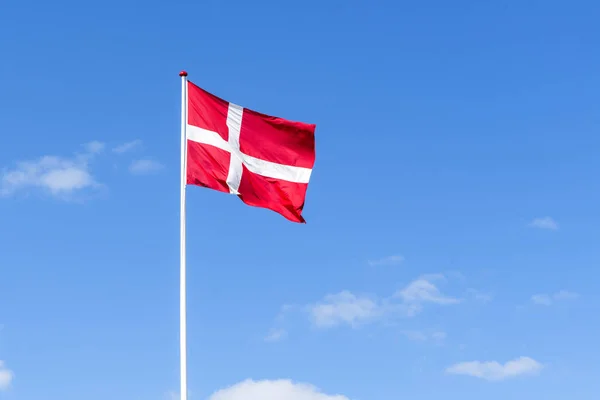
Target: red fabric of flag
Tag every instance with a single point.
(266, 161)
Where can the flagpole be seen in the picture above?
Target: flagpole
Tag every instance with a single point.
(182, 249)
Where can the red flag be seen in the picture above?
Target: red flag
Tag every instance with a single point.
(265, 160)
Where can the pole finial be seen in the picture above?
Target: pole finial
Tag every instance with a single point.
(183, 73)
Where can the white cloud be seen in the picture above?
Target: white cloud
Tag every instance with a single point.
(544, 223)
(58, 176)
(6, 376)
(125, 147)
(494, 371)
(144, 166)
(348, 308)
(548, 300)
(276, 335)
(273, 390)
(344, 307)
(94, 147)
(423, 291)
(390, 260)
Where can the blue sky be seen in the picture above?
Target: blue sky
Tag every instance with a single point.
(451, 248)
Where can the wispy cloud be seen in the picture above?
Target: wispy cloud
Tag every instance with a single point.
(6, 376)
(424, 291)
(548, 300)
(94, 147)
(59, 176)
(144, 166)
(126, 147)
(542, 299)
(420, 292)
(544, 223)
(494, 371)
(278, 332)
(273, 389)
(389, 260)
(351, 309)
(565, 295)
(345, 308)
(275, 335)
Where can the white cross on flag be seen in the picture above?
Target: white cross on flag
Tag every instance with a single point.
(265, 160)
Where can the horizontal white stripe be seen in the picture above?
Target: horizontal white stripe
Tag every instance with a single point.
(205, 136)
(261, 167)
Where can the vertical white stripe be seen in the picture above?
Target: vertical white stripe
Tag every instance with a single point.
(234, 123)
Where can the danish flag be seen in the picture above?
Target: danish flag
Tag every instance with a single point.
(266, 161)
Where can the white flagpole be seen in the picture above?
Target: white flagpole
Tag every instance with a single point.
(182, 271)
